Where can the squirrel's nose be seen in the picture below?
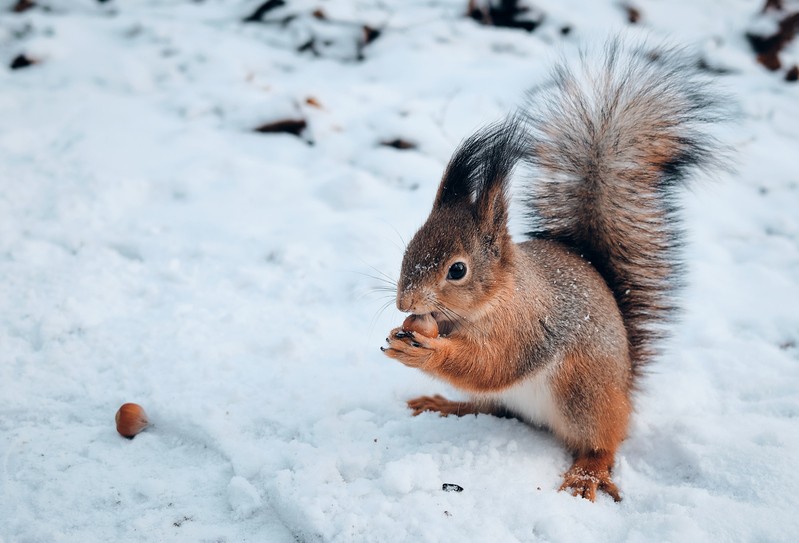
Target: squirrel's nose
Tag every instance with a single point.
(404, 301)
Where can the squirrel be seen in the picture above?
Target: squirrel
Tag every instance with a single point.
(557, 330)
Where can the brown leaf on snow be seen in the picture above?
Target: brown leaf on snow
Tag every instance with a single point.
(769, 47)
(773, 4)
(313, 102)
(633, 14)
(23, 5)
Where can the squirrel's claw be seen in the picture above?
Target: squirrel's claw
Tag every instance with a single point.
(589, 473)
(411, 349)
(585, 484)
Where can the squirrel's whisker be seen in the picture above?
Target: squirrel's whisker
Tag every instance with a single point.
(379, 313)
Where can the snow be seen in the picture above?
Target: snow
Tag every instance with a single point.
(155, 249)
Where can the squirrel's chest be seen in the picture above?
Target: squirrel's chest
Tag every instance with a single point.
(531, 399)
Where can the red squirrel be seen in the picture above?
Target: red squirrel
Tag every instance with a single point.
(557, 330)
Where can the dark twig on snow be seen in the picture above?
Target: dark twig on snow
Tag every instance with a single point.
(263, 9)
(399, 143)
(287, 126)
(22, 61)
(506, 13)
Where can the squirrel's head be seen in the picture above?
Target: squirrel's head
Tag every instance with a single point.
(460, 256)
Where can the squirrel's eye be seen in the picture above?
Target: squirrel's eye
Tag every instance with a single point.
(456, 271)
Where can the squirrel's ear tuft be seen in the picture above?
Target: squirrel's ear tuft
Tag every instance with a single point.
(458, 184)
(481, 166)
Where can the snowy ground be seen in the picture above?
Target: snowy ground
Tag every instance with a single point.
(154, 248)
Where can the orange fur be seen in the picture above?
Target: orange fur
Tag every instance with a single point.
(595, 400)
(454, 359)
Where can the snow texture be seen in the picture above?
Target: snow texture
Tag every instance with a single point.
(155, 249)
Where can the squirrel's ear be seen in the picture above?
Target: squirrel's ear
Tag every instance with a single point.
(492, 207)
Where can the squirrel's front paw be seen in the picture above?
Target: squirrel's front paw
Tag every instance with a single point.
(410, 348)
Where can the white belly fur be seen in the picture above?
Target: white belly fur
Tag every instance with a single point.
(531, 400)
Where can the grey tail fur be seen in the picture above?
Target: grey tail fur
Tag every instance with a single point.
(612, 141)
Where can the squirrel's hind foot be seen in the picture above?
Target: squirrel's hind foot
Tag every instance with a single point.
(442, 406)
(590, 473)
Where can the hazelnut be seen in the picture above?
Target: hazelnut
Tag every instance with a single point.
(425, 325)
(131, 419)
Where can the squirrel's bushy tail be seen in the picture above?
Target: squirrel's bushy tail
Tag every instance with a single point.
(611, 142)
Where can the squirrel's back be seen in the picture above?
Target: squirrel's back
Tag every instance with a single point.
(610, 143)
